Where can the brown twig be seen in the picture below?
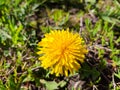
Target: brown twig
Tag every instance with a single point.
(101, 47)
(113, 82)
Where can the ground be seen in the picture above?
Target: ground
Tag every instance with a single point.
(23, 24)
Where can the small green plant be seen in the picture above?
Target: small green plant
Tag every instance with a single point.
(24, 22)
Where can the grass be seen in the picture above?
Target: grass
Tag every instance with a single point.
(24, 22)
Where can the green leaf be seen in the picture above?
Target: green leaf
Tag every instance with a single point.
(50, 85)
(11, 83)
(111, 19)
(62, 83)
(5, 34)
(2, 87)
(29, 78)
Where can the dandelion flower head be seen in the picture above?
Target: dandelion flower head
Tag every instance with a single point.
(62, 52)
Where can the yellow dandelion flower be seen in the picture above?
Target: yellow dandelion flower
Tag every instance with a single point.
(62, 52)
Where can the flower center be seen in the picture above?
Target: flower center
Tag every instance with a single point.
(63, 49)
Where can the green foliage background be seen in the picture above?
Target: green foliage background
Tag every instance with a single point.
(23, 24)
